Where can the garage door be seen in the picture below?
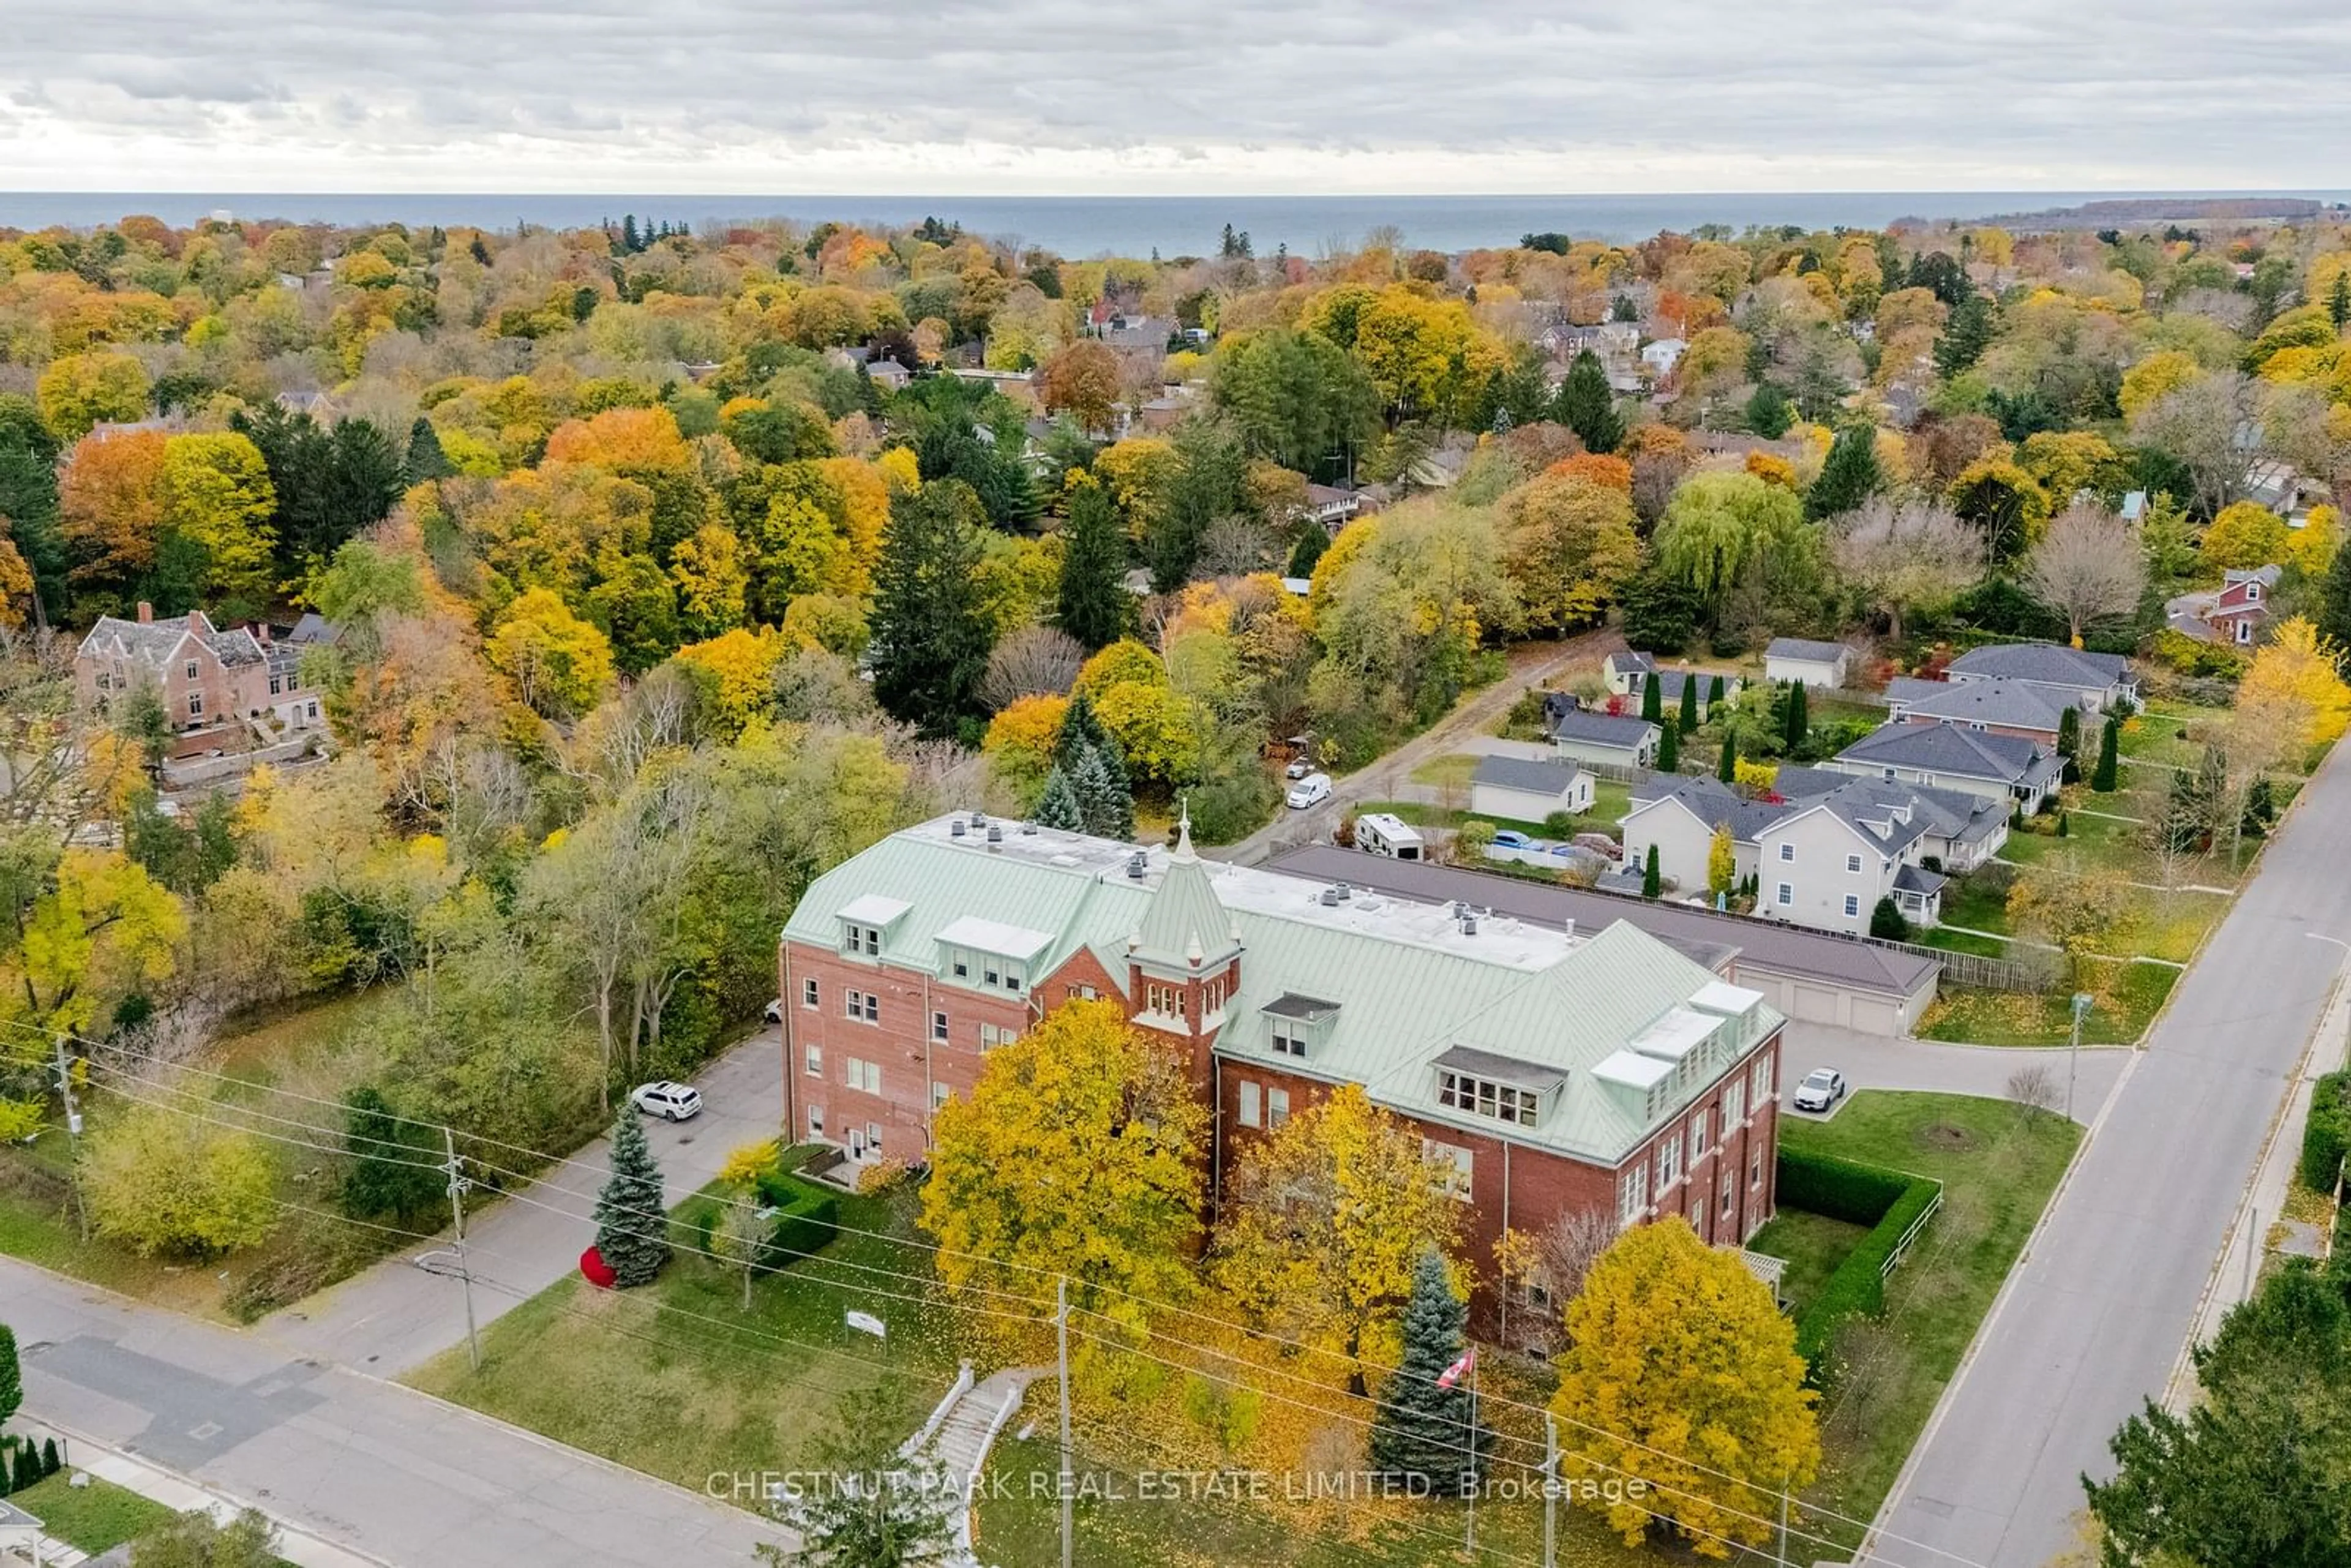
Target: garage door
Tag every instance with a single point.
(1874, 1015)
(1815, 1006)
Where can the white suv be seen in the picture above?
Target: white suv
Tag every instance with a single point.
(677, 1102)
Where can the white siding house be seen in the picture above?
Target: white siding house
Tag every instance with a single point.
(1527, 791)
(1813, 664)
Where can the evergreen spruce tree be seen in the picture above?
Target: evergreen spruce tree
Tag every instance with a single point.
(1653, 702)
(1690, 702)
(1082, 731)
(2338, 300)
(1669, 749)
(931, 628)
(1093, 601)
(1727, 770)
(11, 1376)
(2102, 778)
(50, 1461)
(1769, 412)
(25, 1470)
(1058, 806)
(393, 1171)
(1652, 884)
(2333, 611)
(1105, 804)
(1714, 697)
(2069, 743)
(1312, 542)
(1799, 718)
(632, 1221)
(1847, 476)
(1966, 336)
(1886, 921)
(426, 460)
(1419, 1429)
(1585, 404)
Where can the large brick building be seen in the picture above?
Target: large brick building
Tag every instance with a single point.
(205, 676)
(1545, 1069)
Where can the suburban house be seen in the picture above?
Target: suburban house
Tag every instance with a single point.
(1528, 789)
(205, 676)
(2233, 614)
(1823, 848)
(1813, 664)
(2007, 707)
(2003, 768)
(2069, 677)
(1663, 355)
(1629, 673)
(1330, 507)
(1546, 1070)
(1608, 740)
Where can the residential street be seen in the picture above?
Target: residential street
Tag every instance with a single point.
(2094, 1318)
(396, 1316)
(402, 1478)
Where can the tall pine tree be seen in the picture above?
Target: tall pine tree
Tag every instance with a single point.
(1058, 806)
(2333, 611)
(1797, 719)
(1669, 748)
(1847, 476)
(12, 1376)
(632, 1221)
(1653, 702)
(1690, 702)
(931, 632)
(393, 1170)
(1419, 1428)
(1585, 404)
(426, 460)
(1093, 601)
(1727, 766)
(2102, 777)
(1966, 336)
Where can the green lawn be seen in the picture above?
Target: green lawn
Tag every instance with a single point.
(1998, 1168)
(1450, 771)
(2127, 996)
(1813, 1244)
(1970, 901)
(96, 1518)
(678, 1380)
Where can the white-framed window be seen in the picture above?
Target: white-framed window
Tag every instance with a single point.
(1165, 1000)
(856, 937)
(993, 1035)
(866, 1075)
(1701, 1125)
(816, 1120)
(873, 1140)
(1734, 1105)
(1697, 1213)
(863, 1006)
(1633, 1193)
(1786, 894)
(940, 1094)
(1787, 851)
(1852, 864)
(1729, 1191)
(1250, 1117)
(277, 686)
(1760, 1082)
(1852, 906)
(314, 710)
(1451, 1164)
(1212, 995)
(814, 1062)
(1755, 1168)
(1277, 1107)
(1084, 994)
(1485, 1097)
(808, 993)
(193, 669)
(1288, 1037)
(1670, 1162)
(939, 1026)
(195, 705)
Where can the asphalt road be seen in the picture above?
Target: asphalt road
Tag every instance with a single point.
(361, 1463)
(2094, 1318)
(1874, 1061)
(395, 1316)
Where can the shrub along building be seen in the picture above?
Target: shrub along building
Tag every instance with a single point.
(1546, 1069)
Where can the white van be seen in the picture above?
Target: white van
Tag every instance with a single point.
(1311, 790)
(1382, 833)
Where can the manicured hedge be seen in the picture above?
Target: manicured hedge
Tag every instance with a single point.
(807, 1222)
(2327, 1136)
(1841, 1189)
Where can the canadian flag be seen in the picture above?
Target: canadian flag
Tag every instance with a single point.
(1459, 1369)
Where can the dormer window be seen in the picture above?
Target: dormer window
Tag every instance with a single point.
(1295, 1024)
(865, 923)
(1486, 1097)
(856, 938)
(1288, 1038)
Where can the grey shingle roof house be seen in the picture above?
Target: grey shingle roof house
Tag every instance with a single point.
(1804, 648)
(1979, 761)
(2074, 676)
(1582, 729)
(1530, 773)
(2025, 706)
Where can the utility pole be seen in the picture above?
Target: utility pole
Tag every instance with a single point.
(1551, 1490)
(2082, 1001)
(458, 1185)
(73, 1113)
(1069, 1496)
(1783, 1553)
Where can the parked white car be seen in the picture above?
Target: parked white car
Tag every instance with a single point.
(774, 1011)
(1823, 1087)
(1311, 790)
(674, 1101)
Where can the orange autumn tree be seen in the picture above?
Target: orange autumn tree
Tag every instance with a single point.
(110, 505)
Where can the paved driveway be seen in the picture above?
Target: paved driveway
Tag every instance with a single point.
(395, 1316)
(1874, 1061)
(2097, 1313)
(361, 1463)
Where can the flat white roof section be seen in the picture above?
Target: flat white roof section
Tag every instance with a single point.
(1641, 1073)
(1722, 997)
(872, 909)
(1676, 1035)
(995, 936)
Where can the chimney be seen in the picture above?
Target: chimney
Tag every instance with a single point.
(146, 613)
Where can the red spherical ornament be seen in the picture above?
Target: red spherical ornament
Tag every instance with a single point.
(598, 1272)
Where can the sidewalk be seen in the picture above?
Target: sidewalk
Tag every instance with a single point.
(178, 1494)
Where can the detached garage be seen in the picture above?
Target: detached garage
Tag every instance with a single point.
(1528, 790)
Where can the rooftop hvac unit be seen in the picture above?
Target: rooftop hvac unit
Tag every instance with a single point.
(1330, 897)
(995, 835)
(1136, 864)
(1470, 925)
(955, 828)
(1344, 891)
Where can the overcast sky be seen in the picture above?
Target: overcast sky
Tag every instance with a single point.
(1274, 96)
